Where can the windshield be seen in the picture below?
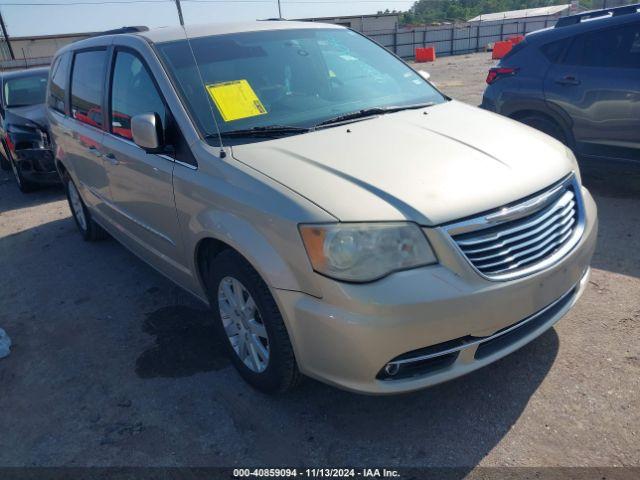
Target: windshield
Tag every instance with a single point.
(25, 91)
(294, 77)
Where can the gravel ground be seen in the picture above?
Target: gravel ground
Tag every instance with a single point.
(112, 365)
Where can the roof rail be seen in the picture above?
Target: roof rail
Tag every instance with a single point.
(606, 12)
(115, 31)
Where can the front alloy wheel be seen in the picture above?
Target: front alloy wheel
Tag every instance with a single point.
(243, 324)
(249, 319)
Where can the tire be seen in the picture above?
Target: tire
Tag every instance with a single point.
(280, 371)
(24, 185)
(89, 229)
(545, 125)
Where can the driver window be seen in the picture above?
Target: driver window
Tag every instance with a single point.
(133, 92)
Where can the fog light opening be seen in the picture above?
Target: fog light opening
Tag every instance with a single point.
(391, 369)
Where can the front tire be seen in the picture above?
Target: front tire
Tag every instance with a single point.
(88, 227)
(250, 324)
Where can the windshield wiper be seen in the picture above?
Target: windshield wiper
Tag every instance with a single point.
(369, 112)
(262, 131)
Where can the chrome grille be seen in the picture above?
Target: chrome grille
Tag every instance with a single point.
(526, 237)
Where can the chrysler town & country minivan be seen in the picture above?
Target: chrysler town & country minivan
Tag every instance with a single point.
(343, 218)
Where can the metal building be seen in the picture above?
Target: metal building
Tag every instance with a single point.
(362, 23)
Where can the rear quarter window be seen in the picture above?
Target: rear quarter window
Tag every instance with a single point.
(553, 51)
(58, 83)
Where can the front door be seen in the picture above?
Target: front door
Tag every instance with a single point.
(141, 183)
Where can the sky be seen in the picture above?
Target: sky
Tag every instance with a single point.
(45, 17)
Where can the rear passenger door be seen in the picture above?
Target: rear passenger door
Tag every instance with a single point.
(141, 183)
(598, 84)
(84, 143)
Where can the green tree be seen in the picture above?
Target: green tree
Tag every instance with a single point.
(429, 11)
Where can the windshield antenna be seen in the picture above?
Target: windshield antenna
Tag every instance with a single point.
(193, 55)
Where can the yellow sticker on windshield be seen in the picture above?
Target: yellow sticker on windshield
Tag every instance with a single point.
(236, 100)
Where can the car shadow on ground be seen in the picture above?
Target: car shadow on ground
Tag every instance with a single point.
(12, 199)
(611, 178)
(615, 187)
(185, 343)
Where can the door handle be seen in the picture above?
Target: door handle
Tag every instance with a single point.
(112, 159)
(568, 80)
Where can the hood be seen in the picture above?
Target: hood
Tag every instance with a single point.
(446, 164)
(31, 114)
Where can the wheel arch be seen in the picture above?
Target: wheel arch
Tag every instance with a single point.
(236, 234)
(519, 110)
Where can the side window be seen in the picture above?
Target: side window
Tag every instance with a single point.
(554, 50)
(132, 92)
(58, 83)
(87, 82)
(611, 48)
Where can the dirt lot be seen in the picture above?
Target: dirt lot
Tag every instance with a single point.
(113, 365)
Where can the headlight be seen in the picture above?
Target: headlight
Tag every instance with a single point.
(27, 135)
(361, 252)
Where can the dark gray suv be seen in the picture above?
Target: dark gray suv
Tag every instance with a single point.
(578, 82)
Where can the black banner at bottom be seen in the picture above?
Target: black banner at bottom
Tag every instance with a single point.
(398, 473)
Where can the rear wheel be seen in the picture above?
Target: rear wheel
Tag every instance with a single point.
(89, 229)
(249, 321)
(545, 125)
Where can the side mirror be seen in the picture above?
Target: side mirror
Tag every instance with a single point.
(425, 75)
(146, 130)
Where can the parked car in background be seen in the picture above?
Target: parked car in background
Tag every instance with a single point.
(25, 146)
(342, 217)
(578, 82)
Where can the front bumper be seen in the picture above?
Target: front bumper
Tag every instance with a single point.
(348, 336)
(37, 165)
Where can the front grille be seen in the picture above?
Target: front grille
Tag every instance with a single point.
(526, 237)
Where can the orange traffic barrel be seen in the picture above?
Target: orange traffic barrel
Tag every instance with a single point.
(425, 54)
(500, 49)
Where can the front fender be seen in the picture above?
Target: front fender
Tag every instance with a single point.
(278, 272)
(232, 203)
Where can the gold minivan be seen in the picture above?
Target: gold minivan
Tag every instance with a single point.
(343, 218)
